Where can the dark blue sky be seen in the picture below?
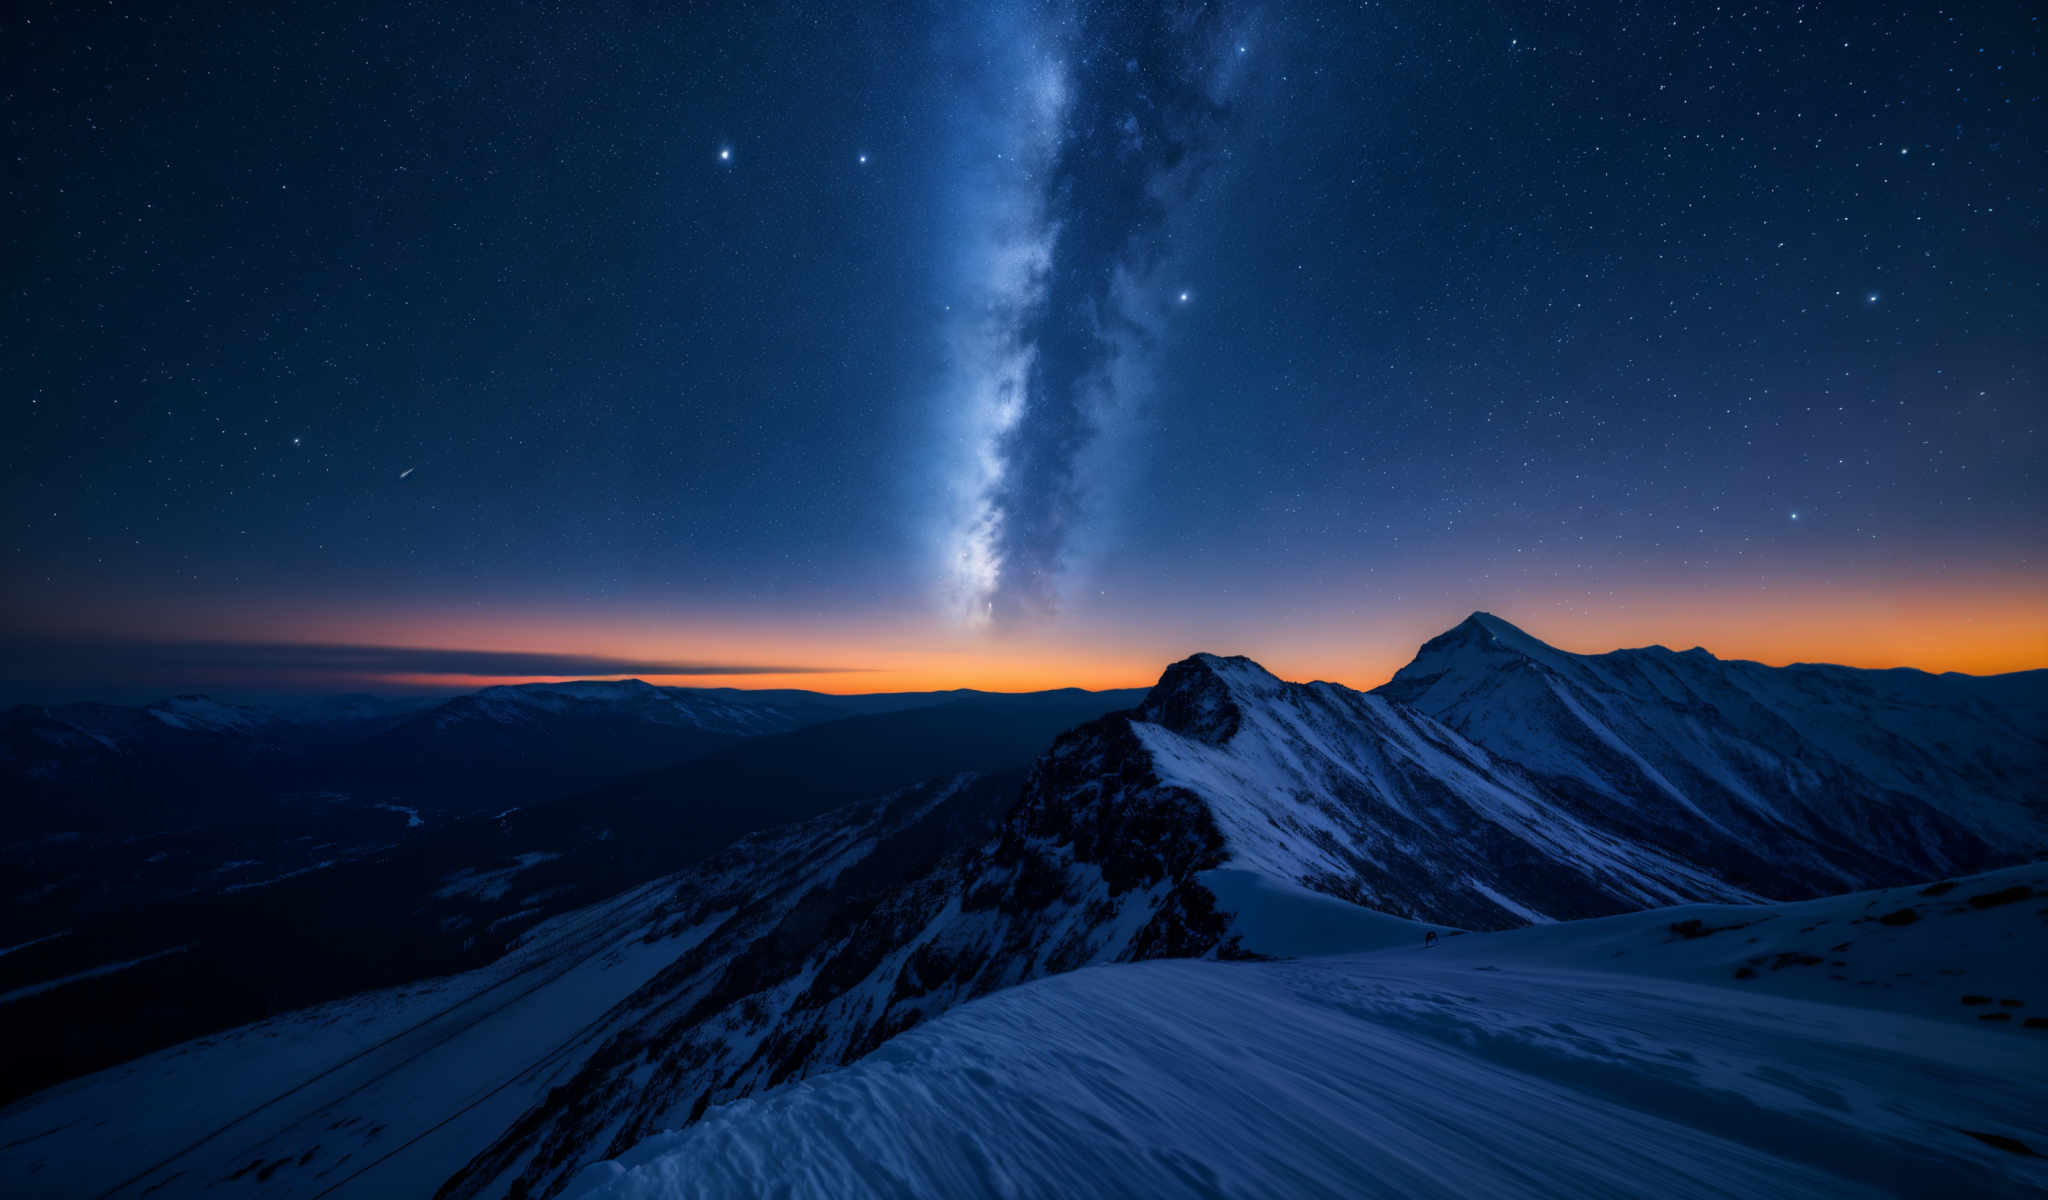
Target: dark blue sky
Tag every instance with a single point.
(1002, 344)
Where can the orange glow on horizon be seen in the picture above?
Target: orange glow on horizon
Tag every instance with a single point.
(1357, 635)
(1983, 635)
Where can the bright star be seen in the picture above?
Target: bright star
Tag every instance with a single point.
(1871, 298)
(863, 160)
(1183, 297)
(724, 154)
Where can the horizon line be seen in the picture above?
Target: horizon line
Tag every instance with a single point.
(52, 667)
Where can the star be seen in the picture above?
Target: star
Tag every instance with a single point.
(1871, 298)
(863, 160)
(725, 154)
(1184, 297)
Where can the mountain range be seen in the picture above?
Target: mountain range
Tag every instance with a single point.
(116, 806)
(623, 966)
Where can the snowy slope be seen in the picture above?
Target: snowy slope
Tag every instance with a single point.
(273, 1106)
(1971, 951)
(1536, 1062)
(390, 1093)
(1361, 797)
(1794, 779)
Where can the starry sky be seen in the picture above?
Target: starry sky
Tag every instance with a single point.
(1009, 345)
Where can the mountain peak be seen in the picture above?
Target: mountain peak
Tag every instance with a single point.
(1472, 649)
(1485, 624)
(1198, 696)
(1484, 636)
(1234, 671)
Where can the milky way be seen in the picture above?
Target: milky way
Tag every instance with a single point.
(1093, 128)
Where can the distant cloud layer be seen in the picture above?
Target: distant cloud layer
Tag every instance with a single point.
(85, 662)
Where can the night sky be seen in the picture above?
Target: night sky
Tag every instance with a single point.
(1002, 345)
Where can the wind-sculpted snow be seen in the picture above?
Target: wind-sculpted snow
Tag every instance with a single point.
(1613, 1057)
(1791, 781)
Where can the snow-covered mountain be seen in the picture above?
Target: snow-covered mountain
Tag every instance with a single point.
(1146, 834)
(594, 729)
(1362, 797)
(581, 730)
(1228, 816)
(1787, 780)
(636, 702)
